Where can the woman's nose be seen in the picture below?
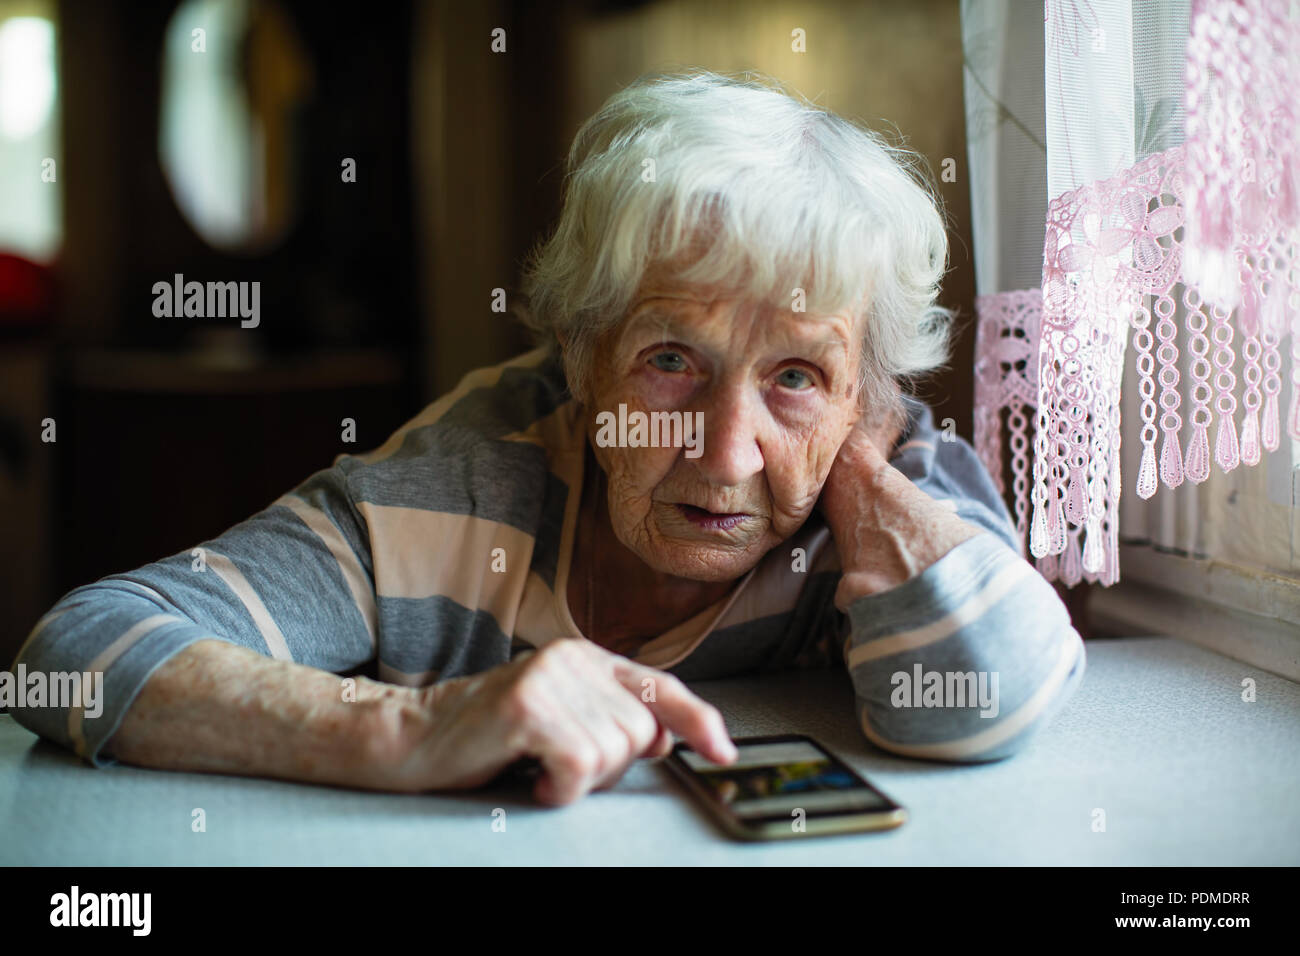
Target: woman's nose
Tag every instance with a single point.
(730, 454)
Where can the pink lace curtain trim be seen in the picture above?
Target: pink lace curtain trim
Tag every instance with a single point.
(1219, 218)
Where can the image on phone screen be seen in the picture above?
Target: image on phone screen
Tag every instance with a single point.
(774, 777)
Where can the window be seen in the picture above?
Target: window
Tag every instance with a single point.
(30, 191)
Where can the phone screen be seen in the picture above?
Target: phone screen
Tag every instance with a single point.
(773, 777)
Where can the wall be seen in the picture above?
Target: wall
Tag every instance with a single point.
(888, 63)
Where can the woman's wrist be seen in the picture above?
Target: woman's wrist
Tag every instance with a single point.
(391, 722)
(887, 531)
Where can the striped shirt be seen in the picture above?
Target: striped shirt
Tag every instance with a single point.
(446, 550)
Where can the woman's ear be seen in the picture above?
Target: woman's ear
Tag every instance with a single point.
(579, 390)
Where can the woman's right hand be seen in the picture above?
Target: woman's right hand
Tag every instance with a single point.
(584, 713)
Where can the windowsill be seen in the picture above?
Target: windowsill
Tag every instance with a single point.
(1246, 615)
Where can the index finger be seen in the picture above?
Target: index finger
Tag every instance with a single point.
(677, 709)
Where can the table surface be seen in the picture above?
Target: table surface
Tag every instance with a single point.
(1157, 736)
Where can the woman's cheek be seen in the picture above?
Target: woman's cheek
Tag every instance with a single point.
(796, 507)
(660, 391)
(796, 476)
(634, 473)
(788, 487)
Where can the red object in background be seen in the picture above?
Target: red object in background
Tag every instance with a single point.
(26, 292)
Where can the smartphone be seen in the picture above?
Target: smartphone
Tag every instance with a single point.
(782, 787)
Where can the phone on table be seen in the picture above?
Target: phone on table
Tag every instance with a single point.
(784, 786)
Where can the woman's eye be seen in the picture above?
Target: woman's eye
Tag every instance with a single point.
(794, 378)
(668, 362)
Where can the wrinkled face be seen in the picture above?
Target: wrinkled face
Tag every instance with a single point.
(776, 395)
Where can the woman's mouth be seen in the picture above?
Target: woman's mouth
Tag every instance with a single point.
(711, 520)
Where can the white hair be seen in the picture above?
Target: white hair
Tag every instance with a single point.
(781, 193)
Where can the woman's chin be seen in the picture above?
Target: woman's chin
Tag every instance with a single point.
(700, 559)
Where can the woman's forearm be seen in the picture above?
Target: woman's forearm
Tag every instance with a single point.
(222, 708)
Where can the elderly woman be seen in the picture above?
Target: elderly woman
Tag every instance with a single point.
(529, 570)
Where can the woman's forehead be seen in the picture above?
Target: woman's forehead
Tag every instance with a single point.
(664, 300)
(670, 314)
(661, 282)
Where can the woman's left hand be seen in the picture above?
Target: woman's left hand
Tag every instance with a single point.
(886, 529)
(862, 455)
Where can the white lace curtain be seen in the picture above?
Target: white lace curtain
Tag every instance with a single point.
(1135, 181)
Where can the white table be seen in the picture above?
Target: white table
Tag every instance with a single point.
(1157, 737)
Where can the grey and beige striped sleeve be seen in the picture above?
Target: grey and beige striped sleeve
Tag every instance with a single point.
(969, 659)
(292, 582)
